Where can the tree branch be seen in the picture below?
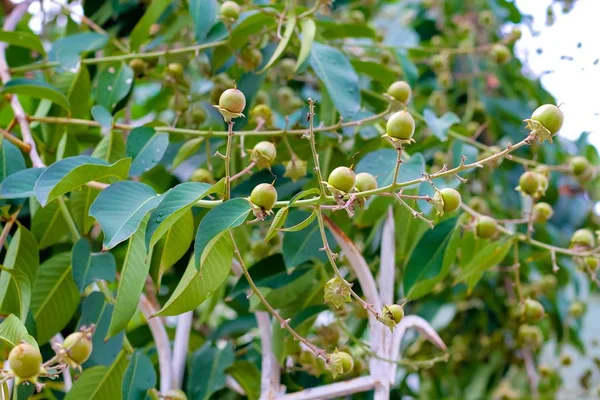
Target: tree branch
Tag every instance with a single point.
(180, 347)
(334, 390)
(270, 371)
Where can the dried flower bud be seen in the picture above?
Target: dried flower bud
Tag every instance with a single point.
(337, 292)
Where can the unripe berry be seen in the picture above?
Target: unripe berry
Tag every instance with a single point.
(532, 310)
(230, 10)
(531, 335)
(78, 347)
(566, 360)
(400, 91)
(341, 363)
(262, 113)
(397, 312)
(485, 227)
(550, 116)
(233, 101)
(250, 58)
(25, 361)
(548, 283)
(579, 165)
(448, 199)
(201, 175)
(529, 183)
(365, 181)
(401, 125)
(479, 204)
(287, 66)
(295, 169)
(138, 66)
(175, 394)
(197, 115)
(439, 62)
(175, 71)
(592, 263)
(500, 53)
(179, 102)
(263, 154)
(542, 212)
(342, 178)
(285, 95)
(583, 238)
(264, 196)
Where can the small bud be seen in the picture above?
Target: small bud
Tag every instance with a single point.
(500, 54)
(337, 292)
(591, 263)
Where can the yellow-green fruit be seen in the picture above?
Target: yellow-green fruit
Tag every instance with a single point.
(175, 394)
(479, 204)
(197, 115)
(233, 101)
(285, 95)
(583, 237)
(201, 175)
(295, 169)
(542, 212)
(592, 263)
(342, 178)
(347, 362)
(529, 183)
(25, 361)
(263, 154)
(251, 58)
(532, 310)
(401, 125)
(400, 91)
(397, 312)
(175, 71)
(500, 53)
(179, 102)
(365, 181)
(264, 196)
(78, 346)
(138, 66)
(577, 309)
(485, 227)
(566, 360)
(450, 198)
(287, 67)
(579, 165)
(549, 116)
(230, 10)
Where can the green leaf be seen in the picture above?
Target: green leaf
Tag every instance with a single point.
(381, 164)
(12, 332)
(11, 160)
(303, 246)
(301, 225)
(408, 67)
(67, 50)
(171, 247)
(131, 284)
(188, 149)
(96, 310)
(335, 29)
(102, 116)
(111, 147)
(247, 374)
(376, 71)
(225, 216)
(20, 184)
(174, 205)
(439, 126)
(23, 253)
(16, 292)
(89, 267)
(277, 223)
(113, 84)
(335, 71)
(196, 286)
(139, 377)
(287, 35)
(146, 147)
(308, 30)
(28, 40)
(141, 31)
(101, 382)
(488, 256)
(55, 297)
(67, 146)
(431, 260)
(80, 201)
(49, 225)
(79, 95)
(204, 15)
(120, 209)
(209, 364)
(36, 89)
(70, 173)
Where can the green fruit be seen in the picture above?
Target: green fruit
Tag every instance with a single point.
(549, 116)
(516, 33)
(342, 178)
(451, 199)
(500, 53)
(251, 58)
(529, 183)
(287, 68)
(592, 263)
(347, 362)
(401, 125)
(583, 237)
(264, 196)
(233, 101)
(285, 95)
(78, 347)
(179, 102)
(295, 169)
(138, 66)
(400, 91)
(25, 361)
(548, 283)
(486, 18)
(397, 312)
(197, 115)
(201, 175)
(365, 181)
(566, 360)
(579, 165)
(230, 10)
(542, 212)
(175, 394)
(175, 71)
(263, 154)
(439, 62)
(479, 204)
(445, 80)
(532, 310)
(486, 227)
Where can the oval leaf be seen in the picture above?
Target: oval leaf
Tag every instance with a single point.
(37, 89)
(88, 267)
(146, 147)
(20, 184)
(139, 377)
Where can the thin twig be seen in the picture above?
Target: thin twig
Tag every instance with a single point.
(247, 170)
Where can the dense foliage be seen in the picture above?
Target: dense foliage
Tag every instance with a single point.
(258, 200)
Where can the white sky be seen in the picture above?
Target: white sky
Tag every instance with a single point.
(574, 83)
